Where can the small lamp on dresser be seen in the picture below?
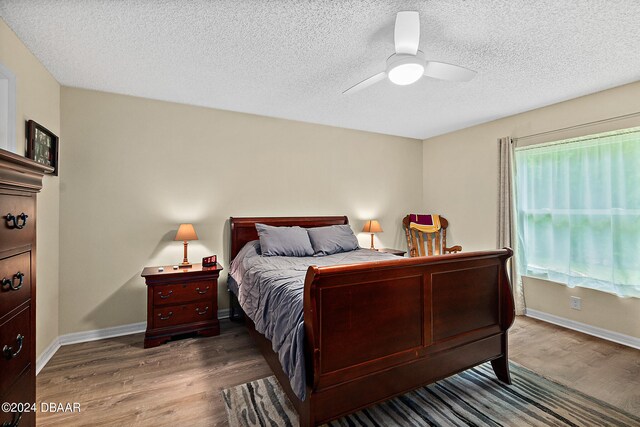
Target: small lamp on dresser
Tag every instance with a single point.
(372, 226)
(185, 233)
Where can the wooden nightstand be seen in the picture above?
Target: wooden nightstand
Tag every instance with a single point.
(181, 301)
(397, 252)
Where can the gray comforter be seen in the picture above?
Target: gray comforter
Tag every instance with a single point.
(270, 291)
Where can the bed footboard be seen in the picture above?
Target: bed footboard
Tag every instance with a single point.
(377, 330)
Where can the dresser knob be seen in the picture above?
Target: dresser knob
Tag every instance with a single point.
(8, 351)
(203, 312)
(18, 222)
(202, 292)
(165, 317)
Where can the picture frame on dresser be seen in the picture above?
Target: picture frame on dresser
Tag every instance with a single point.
(42, 145)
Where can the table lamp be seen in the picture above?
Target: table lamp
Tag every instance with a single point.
(372, 226)
(185, 233)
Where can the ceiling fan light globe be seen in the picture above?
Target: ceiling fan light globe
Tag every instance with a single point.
(406, 74)
(404, 69)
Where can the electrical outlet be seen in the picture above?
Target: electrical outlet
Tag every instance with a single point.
(575, 303)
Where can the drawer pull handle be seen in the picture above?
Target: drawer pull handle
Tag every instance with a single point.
(165, 296)
(10, 282)
(165, 317)
(203, 312)
(20, 277)
(16, 220)
(202, 292)
(8, 351)
(17, 416)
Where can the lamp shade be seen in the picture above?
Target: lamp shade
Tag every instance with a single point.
(186, 232)
(372, 226)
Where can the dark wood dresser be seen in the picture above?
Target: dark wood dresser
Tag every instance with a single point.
(20, 181)
(181, 301)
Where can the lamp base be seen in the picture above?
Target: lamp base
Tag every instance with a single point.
(185, 261)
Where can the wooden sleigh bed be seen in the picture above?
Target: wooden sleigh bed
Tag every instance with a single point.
(377, 330)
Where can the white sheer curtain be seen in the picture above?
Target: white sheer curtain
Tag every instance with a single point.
(579, 211)
(506, 224)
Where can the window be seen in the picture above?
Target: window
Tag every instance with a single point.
(578, 211)
(7, 109)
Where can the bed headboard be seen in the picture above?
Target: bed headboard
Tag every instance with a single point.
(243, 230)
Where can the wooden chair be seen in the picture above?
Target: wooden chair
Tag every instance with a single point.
(428, 244)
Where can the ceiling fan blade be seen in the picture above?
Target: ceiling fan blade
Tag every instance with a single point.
(444, 71)
(407, 32)
(365, 83)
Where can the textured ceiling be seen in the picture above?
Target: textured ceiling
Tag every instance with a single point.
(292, 59)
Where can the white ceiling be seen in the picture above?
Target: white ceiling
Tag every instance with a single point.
(293, 59)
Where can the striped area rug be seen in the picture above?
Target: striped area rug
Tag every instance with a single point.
(472, 398)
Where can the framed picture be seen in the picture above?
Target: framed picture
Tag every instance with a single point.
(42, 145)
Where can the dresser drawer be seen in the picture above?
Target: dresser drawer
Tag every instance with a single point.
(183, 293)
(15, 339)
(23, 391)
(182, 314)
(15, 276)
(16, 232)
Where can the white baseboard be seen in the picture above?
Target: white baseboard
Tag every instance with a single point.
(47, 354)
(605, 334)
(100, 334)
(97, 334)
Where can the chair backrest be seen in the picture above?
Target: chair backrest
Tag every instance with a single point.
(422, 243)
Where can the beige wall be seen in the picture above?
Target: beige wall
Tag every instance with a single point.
(38, 98)
(460, 182)
(136, 168)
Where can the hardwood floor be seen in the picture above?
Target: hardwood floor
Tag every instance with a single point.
(117, 382)
(599, 368)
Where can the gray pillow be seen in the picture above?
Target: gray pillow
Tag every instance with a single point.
(332, 239)
(284, 241)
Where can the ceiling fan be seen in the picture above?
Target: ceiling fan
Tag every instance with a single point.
(408, 64)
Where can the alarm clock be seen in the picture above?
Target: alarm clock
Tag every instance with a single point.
(209, 261)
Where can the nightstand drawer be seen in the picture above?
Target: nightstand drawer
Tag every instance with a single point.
(15, 346)
(183, 314)
(17, 221)
(15, 276)
(183, 293)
